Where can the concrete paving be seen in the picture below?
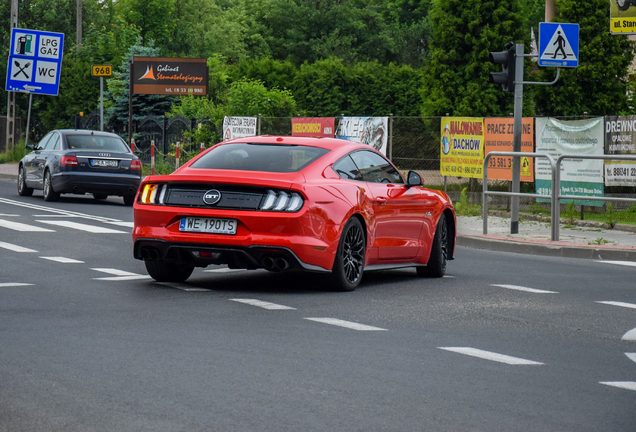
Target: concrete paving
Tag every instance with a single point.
(584, 239)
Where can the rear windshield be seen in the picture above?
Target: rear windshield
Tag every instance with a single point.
(260, 157)
(96, 142)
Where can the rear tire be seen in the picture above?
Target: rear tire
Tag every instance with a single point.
(47, 188)
(623, 5)
(100, 196)
(349, 263)
(436, 266)
(23, 190)
(163, 271)
(129, 200)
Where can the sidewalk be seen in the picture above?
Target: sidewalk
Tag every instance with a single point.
(590, 241)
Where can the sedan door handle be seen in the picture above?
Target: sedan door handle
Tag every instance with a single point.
(380, 200)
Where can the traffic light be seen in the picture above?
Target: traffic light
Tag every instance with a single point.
(507, 61)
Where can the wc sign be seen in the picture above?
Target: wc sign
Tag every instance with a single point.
(35, 62)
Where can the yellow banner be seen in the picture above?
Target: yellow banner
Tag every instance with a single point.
(462, 147)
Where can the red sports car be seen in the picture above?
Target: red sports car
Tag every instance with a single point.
(288, 203)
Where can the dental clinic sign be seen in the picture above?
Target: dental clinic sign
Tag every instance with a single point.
(35, 62)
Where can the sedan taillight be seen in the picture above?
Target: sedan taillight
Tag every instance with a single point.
(135, 164)
(69, 160)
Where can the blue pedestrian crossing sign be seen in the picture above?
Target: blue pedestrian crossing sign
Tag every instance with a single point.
(559, 44)
(35, 62)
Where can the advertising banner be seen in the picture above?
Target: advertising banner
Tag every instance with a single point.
(169, 76)
(622, 17)
(500, 137)
(462, 147)
(313, 127)
(238, 127)
(620, 139)
(578, 176)
(373, 131)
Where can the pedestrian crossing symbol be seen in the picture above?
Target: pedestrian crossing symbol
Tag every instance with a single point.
(558, 44)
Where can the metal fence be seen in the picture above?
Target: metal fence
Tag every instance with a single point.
(413, 145)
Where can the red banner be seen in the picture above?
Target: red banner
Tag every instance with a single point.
(313, 127)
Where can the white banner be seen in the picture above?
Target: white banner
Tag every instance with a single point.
(238, 127)
(373, 131)
(572, 137)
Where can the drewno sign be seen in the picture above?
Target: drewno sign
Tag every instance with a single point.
(169, 76)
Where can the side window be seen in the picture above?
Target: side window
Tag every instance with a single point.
(42, 144)
(54, 142)
(375, 169)
(346, 169)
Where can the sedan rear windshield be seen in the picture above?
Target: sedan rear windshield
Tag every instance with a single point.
(260, 157)
(96, 142)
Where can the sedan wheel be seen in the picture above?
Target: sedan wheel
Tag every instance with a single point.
(436, 266)
(349, 263)
(48, 192)
(100, 196)
(129, 200)
(23, 190)
(163, 271)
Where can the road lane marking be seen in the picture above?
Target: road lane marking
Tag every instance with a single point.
(13, 284)
(123, 224)
(346, 324)
(58, 211)
(182, 287)
(263, 304)
(9, 215)
(15, 248)
(623, 263)
(621, 304)
(119, 275)
(632, 356)
(487, 355)
(82, 227)
(526, 289)
(63, 260)
(630, 335)
(224, 270)
(17, 226)
(627, 385)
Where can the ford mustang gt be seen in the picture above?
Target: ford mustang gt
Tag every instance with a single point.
(292, 204)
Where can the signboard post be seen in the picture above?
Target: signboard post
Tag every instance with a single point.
(101, 71)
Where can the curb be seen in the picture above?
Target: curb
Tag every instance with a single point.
(554, 250)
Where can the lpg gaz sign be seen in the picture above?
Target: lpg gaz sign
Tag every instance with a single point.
(35, 62)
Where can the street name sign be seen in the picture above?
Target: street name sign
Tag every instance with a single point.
(559, 45)
(35, 62)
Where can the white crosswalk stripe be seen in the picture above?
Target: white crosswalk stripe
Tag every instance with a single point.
(13, 284)
(63, 260)
(621, 304)
(18, 226)
(487, 355)
(522, 288)
(623, 263)
(82, 227)
(627, 385)
(15, 248)
(119, 275)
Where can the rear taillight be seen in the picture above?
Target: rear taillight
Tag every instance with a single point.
(69, 161)
(135, 164)
(282, 201)
(153, 193)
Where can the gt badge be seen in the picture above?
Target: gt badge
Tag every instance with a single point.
(212, 197)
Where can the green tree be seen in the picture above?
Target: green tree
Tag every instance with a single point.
(455, 78)
(599, 85)
(154, 18)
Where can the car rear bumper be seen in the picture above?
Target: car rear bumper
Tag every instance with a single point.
(107, 183)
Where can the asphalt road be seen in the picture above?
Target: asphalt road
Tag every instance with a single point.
(505, 342)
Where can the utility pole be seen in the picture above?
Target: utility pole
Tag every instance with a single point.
(78, 25)
(550, 10)
(10, 138)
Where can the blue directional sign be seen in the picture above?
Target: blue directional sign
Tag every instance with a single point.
(559, 44)
(35, 62)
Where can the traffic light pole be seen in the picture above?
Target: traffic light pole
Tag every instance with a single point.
(516, 146)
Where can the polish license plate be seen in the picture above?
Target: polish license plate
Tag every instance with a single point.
(208, 225)
(104, 163)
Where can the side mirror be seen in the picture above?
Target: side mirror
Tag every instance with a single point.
(30, 147)
(414, 179)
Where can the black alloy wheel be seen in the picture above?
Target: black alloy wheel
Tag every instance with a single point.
(349, 264)
(47, 190)
(23, 190)
(436, 266)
